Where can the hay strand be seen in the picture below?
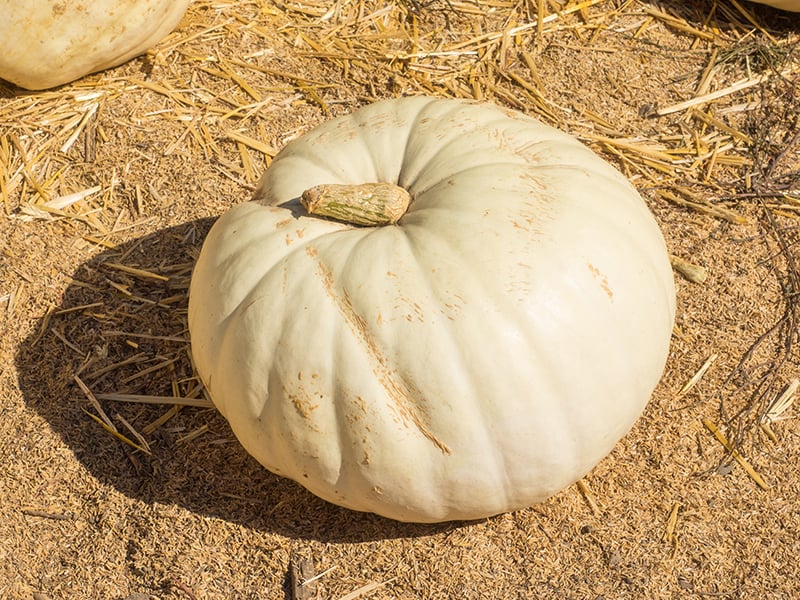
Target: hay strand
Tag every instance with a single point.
(739, 86)
(698, 375)
(168, 400)
(735, 454)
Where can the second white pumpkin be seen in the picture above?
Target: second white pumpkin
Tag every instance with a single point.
(45, 43)
(478, 356)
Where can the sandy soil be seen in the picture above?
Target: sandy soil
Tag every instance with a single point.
(94, 291)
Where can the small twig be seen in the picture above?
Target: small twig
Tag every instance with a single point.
(177, 583)
(113, 431)
(693, 381)
(95, 404)
(692, 272)
(777, 407)
(739, 86)
(588, 496)
(144, 399)
(785, 328)
(773, 164)
(735, 454)
(302, 577)
(365, 589)
(669, 531)
(319, 575)
(781, 404)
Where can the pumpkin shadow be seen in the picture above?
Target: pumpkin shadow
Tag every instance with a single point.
(8, 90)
(121, 329)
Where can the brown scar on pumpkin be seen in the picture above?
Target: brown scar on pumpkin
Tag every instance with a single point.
(603, 280)
(397, 390)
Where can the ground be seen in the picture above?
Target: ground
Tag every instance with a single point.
(109, 185)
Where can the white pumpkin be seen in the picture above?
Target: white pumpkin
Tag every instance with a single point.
(45, 43)
(790, 5)
(478, 356)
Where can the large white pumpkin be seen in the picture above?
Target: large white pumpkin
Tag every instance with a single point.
(45, 43)
(478, 356)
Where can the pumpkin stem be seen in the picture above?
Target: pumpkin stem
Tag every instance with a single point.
(370, 204)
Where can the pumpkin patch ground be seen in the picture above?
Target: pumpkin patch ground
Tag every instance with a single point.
(118, 478)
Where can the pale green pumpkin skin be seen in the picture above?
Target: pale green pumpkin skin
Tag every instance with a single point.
(46, 43)
(477, 357)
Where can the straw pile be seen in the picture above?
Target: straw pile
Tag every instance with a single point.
(117, 478)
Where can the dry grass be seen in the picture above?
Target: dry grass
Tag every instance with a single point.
(118, 478)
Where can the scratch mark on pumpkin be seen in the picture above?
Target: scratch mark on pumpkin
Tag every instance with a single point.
(603, 280)
(396, 389)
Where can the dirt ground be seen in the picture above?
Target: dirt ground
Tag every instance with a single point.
(109, 185)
